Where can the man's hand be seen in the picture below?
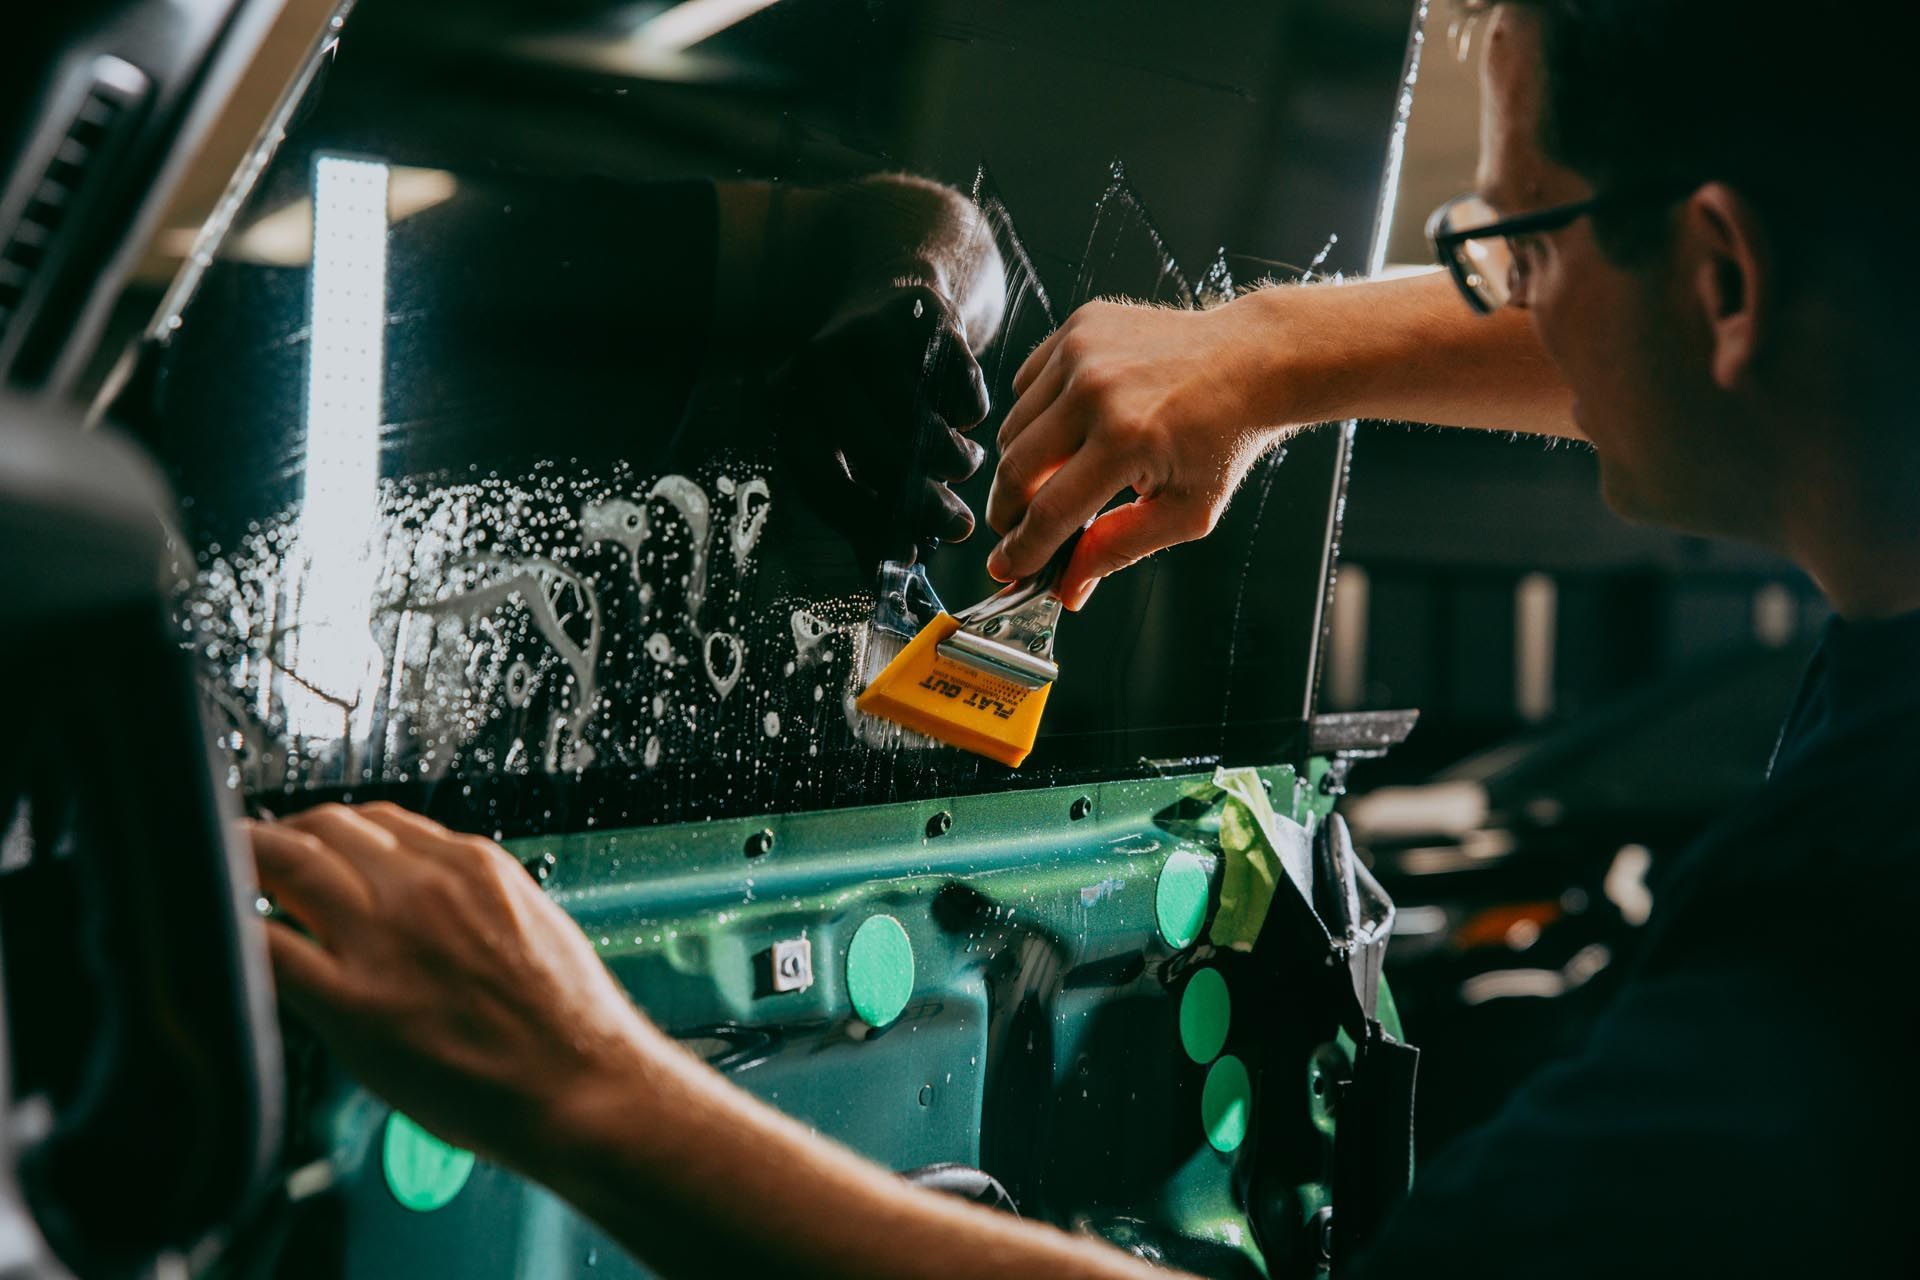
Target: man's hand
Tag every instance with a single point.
(442, 976)
(1178, 405)
(880, 399)
(1163, 402)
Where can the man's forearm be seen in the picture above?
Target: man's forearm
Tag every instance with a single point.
(1179, 405)
(696, 1178)
(1406, 350)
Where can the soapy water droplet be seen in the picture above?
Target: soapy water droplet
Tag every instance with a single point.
(618, 521)
(726, 660)
(771, 724)
(752, 503)
(690, 501)
(809, 630)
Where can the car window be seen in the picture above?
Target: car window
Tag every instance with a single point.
(544, 414)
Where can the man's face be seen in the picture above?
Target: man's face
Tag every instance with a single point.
(1631, 348)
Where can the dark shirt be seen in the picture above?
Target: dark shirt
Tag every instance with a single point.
(1746, 1105)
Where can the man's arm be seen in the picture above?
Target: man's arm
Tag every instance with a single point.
(449, 983)
(1178, 405)
(698, 1178)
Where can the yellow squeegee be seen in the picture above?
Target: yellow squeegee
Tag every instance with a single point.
(978, 680)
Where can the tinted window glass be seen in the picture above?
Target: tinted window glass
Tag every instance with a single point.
(545, 414)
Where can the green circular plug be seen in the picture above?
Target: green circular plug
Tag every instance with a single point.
(1205, 1013)
(879, 970)
(1225, 1103)
(1180, 900)
(423, 1172)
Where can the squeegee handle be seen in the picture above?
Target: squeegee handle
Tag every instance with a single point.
(1056, 566)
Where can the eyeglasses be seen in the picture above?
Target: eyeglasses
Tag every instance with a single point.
(1472, 242)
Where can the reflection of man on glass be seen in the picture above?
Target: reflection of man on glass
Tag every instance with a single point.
(873, 301)
(1675, 204)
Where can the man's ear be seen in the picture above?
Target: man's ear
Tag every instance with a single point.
(1731, 265)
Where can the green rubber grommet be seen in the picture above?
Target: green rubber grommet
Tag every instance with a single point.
(1205, 1013)
(879, 970)
(1180, 901)
(423, 1172)
(1225, 1103)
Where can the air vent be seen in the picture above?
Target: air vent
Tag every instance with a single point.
(56, 170)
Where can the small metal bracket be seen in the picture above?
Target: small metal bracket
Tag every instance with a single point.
(792, 965)
(1010, 633)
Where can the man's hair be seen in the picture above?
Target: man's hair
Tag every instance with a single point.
(1799, 108)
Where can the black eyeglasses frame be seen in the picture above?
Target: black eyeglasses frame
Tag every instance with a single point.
(1540, 221)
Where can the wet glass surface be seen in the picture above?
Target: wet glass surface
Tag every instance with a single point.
(546, 411)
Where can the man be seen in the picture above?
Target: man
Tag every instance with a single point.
(1679, 238)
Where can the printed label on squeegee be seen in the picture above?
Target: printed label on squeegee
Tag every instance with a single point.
(978, 691)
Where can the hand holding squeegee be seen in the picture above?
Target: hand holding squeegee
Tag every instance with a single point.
(978, 680)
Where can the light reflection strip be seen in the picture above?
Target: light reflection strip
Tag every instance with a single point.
(344, 380)
(691, 21)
